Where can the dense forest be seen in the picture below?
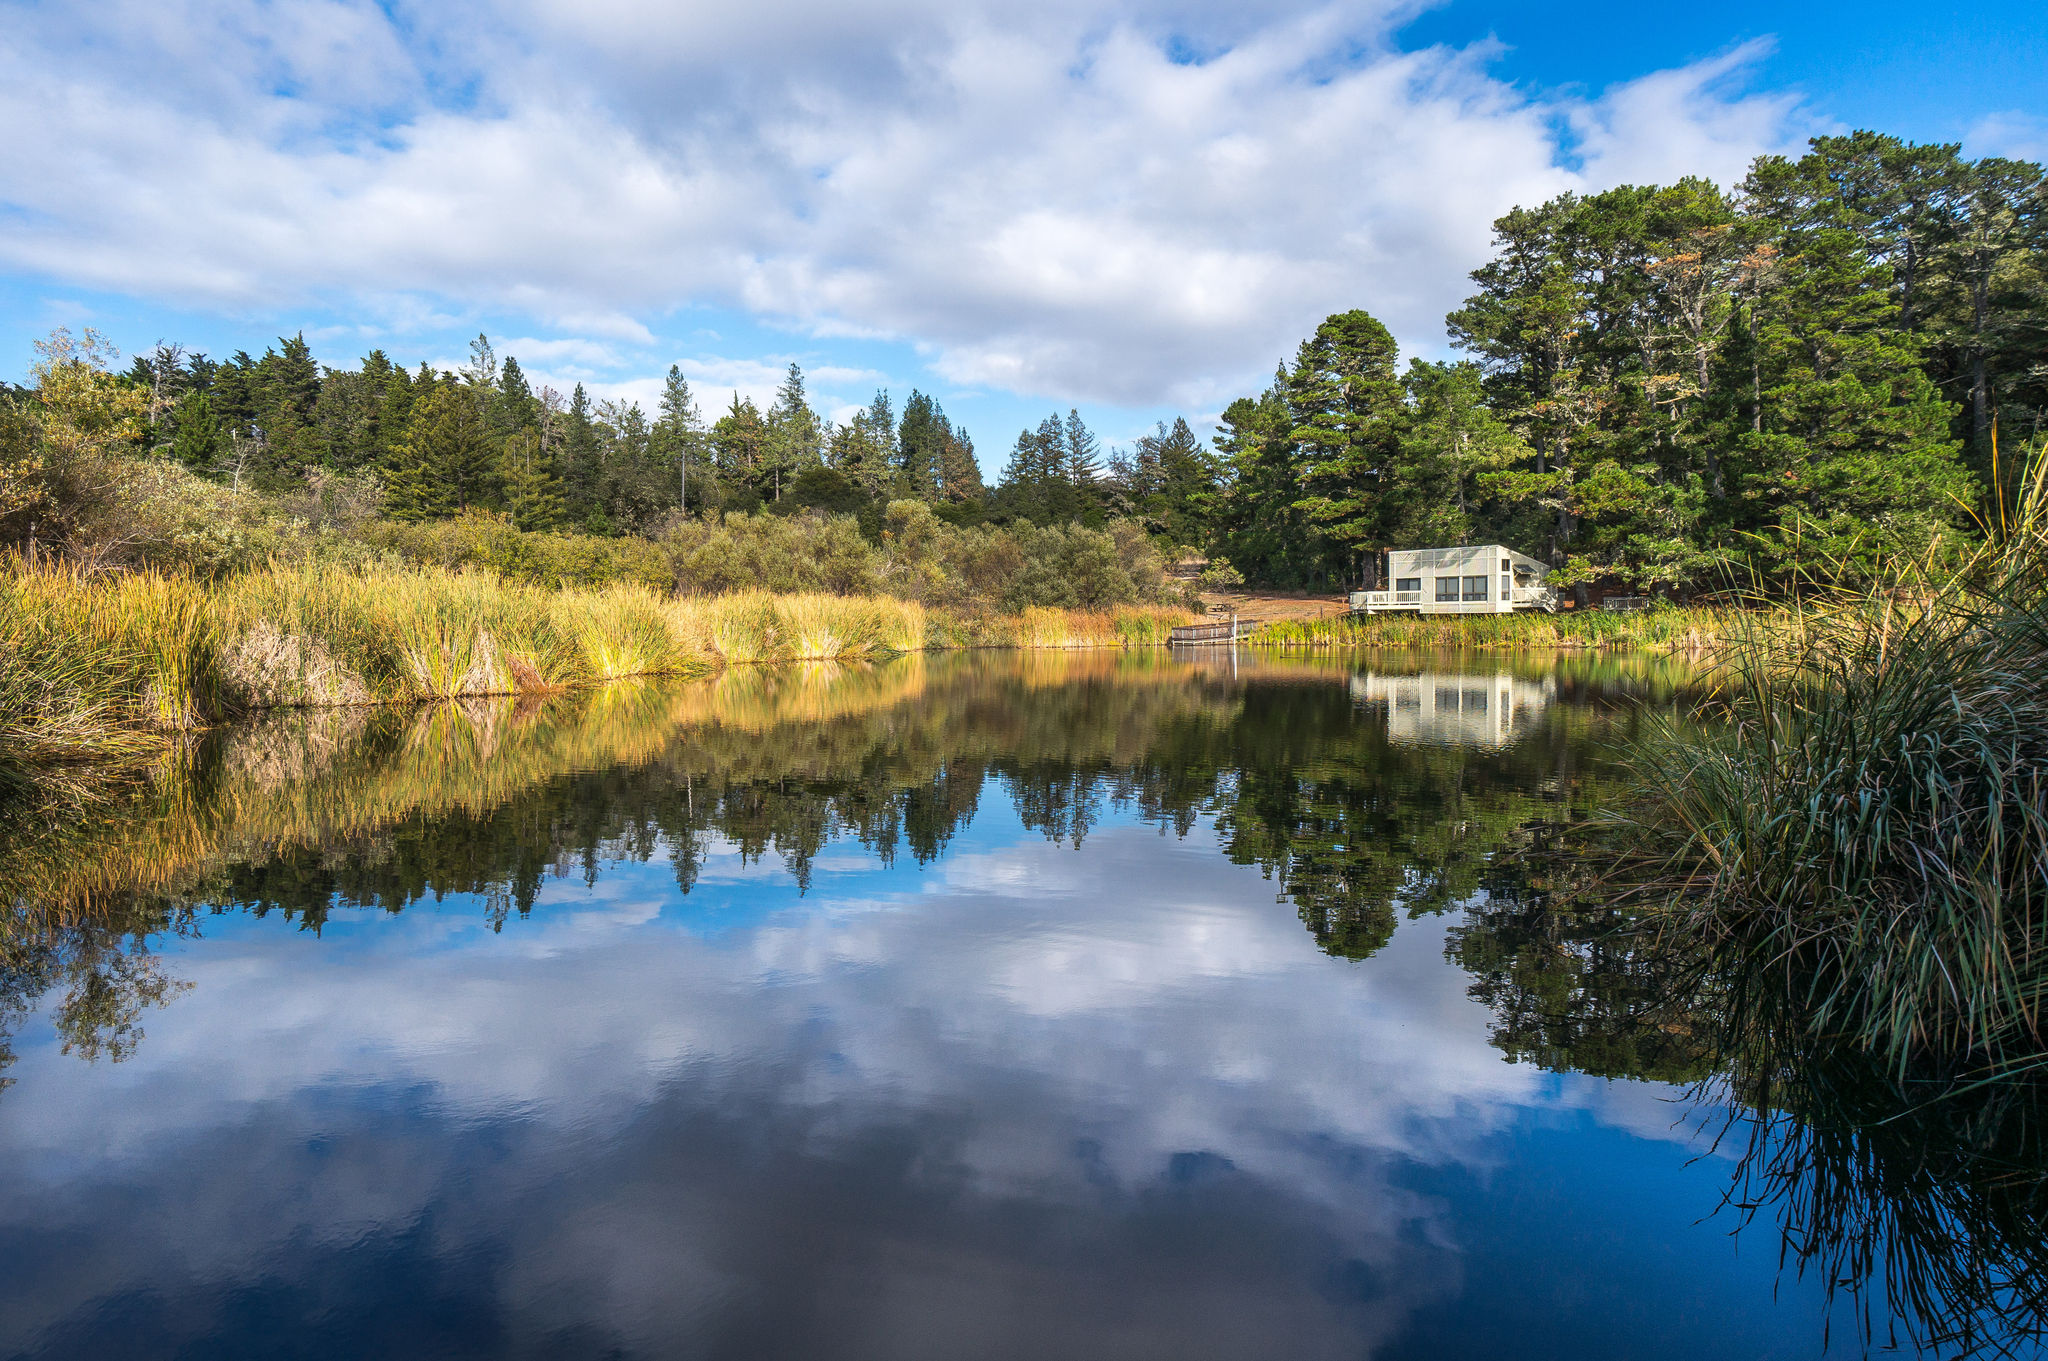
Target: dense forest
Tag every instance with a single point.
(1668, 387)
(484, 439)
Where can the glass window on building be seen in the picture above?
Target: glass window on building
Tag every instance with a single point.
(1446, 588)
(1475, 588)
(1409, 584)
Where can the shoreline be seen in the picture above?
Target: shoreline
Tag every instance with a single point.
(95, 668)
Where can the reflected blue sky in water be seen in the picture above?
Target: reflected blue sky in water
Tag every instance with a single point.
(1029, 1100)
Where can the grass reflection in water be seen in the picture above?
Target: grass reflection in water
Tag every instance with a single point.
(1366, 790)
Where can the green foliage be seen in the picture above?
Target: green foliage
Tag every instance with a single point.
(495, 543)
(1868, 814)
(444, 464)
(1675, 388)
(784, 554)
(532, 491)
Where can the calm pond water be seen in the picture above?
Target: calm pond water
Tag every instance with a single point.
(990, 1006)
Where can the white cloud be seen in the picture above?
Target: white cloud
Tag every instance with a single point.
(2021, 136)
(1044, 201)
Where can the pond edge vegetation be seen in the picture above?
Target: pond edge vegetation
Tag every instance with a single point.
(1863, 819)
(105, 665)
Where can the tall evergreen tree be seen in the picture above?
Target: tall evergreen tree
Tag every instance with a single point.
(286, 387)
(1854, 462)
(795, 435)
(1181, 503)
(739, 444)
(679, 435)
(195, 439)
(533, 492)
(1346, 403)
(959, 473)
(516, 408)
(446, 462)
(583, 456)
(920, 447)
(864, 449)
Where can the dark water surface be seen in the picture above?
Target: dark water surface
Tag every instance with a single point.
(1001, 1006)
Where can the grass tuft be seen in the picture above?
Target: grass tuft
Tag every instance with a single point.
(1866, 812)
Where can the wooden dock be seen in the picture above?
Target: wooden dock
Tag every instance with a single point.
(1208, 634)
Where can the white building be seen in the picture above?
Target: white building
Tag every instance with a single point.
(1477, 579)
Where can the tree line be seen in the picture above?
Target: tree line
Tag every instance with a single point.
(1674, 386)
(483, 437)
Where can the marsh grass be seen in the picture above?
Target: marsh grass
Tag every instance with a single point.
(1864, 810)
(100, 668)
(93, 666)
(755, 626)
(1671, 628)
(1045, 627)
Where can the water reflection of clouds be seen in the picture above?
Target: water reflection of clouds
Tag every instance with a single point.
(979, 1106)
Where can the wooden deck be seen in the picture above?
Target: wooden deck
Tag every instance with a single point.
(1203, 634)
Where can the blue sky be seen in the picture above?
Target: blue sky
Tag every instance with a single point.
(1134, 209)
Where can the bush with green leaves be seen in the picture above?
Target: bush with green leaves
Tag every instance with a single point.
(785, 554)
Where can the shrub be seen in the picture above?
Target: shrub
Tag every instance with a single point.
(1219, 572)
(786, 554)
(491, 541)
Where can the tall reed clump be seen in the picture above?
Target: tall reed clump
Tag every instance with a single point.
(1866, 809)
(755, 626)
(94, 666)
(1051, 627)
(320, 635)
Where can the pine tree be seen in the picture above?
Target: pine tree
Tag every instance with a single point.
(739, 443)
(864, 449)
(1262, 529)
(959, 473)
(679, 435)
(795, 434)
(1854, 462)
(1185, 483)
(516, 407)
(481, 372)
(195, 438)
(285, 388)
(920, 448)
(394, 414)
(533, 493)
(583, 474)
(1348, 407)
(445, 464)
(1454, 457)
(1083, 463)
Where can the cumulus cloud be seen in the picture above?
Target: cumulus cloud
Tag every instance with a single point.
(1059, 201)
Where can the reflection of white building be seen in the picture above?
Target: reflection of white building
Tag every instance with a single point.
(1475, 579)
(1446, 708)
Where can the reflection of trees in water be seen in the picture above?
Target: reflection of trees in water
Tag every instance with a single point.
(101, 970)
(1926, 1211)
(1920, 1202)
(375, 811)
